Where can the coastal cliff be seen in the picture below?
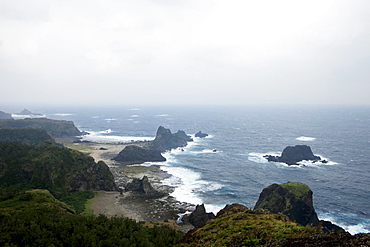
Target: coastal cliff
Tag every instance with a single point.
(57, 169)
(57, 128)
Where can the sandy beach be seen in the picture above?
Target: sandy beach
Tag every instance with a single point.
(128, 204)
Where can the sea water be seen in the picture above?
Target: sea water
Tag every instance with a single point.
(228, 166)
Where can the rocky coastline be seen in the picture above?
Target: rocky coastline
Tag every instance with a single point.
(128, 203)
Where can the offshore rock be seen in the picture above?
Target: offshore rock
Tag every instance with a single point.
(134, 155)
(165, 140)
(293, 154)
(143, 188)
(201, 135)
(291, 199)
(199, 216)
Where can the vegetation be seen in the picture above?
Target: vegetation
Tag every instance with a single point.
(244, 228)
(57, 169)
(27, 136)
(36, 218)
(57, 128)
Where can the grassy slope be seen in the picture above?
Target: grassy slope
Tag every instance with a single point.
(247, 228)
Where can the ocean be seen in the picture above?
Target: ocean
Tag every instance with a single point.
(228, 166)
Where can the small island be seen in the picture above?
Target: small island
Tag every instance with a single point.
(293, 154)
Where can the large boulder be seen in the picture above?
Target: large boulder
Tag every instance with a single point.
(165, 140)
(143, 188)
(134, 155)
(291, 199)
(293, 154)
(199, 216)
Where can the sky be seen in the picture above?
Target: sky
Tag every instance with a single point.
(184, 52)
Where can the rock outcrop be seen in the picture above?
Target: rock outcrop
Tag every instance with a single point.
(4, 115)
(57, 128)
(134, 155)
(143, 188)
(293, 154)
(291, 199)
(201, 135)
(165, 140)
(199, 216)
(295, 201)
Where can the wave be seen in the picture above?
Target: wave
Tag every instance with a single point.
(18, 116)
(352, 223)
(108, 131)
(102, 137)
(110, 119)
(305, 138)
(189, 185)
(162, 115)
(63, 114)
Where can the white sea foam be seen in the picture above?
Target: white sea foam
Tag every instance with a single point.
(258, 157)
(162, 115)
(305, 138)
(134, 116)
(101, 137)
(363, 226)
(213, 208)
(108, 131)
(17, 116)
(110, 119)
(189, 185)
(63, 114)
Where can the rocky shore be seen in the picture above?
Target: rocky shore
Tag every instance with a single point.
(129, 204)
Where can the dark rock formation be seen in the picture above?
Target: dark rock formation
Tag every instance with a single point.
(199, 216)
(291, 199)
(143, 188)
(134, 154)
(293, 154)
(328, 226)
(201, 135)
(57, 128)
(4, 115)
(165, 140)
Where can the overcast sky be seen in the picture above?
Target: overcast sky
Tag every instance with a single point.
(166, 52)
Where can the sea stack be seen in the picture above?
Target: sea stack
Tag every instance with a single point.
(165, 140)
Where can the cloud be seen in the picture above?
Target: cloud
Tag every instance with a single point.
(161, 52)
